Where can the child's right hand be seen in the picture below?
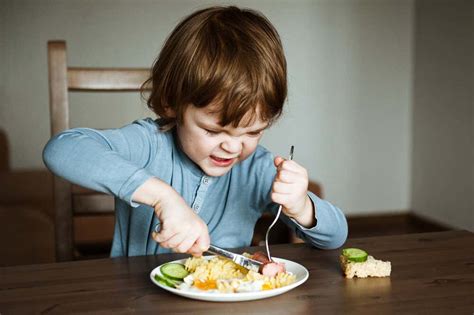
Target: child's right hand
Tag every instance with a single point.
(181, 229)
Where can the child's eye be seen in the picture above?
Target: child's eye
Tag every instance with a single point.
(211, 132)
(255, 133)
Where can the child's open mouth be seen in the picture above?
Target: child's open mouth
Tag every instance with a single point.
(220, 161)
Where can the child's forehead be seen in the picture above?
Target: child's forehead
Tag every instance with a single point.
(213, 114)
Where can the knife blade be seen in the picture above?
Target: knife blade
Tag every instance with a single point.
(240, 260)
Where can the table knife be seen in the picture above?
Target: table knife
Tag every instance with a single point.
(240, 260)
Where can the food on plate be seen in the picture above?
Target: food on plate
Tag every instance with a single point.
(172, 274)
(356, 262)
(174, 271)
(221, 275)
(268, 268)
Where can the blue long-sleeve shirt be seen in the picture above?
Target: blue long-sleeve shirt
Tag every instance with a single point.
(118, 161)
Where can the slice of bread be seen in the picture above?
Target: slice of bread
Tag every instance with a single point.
(369, 268)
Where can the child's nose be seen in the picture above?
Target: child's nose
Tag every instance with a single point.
(232, 145)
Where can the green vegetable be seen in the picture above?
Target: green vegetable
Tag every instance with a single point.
(166, 281)
(355, 254)
(174, 271)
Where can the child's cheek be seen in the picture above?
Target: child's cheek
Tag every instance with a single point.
(248, 150)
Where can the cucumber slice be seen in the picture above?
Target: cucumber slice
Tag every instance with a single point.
(173, 281)
(174, 271)
(355, 254)
(167, 282)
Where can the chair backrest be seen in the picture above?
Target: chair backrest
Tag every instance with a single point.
(68, 198)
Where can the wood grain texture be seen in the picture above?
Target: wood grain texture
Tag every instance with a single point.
(58, 89)
(106, 79)
(64, 79)
(432, 273)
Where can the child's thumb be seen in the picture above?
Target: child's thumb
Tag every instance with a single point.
(278, 160)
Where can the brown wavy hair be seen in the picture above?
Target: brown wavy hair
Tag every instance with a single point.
(227, 56)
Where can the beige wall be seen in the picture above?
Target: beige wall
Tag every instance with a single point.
(349, 111)
(443, 156)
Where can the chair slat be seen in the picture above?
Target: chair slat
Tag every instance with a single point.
(63, 219)
(71, 199)
(106, 79)
(57, 75)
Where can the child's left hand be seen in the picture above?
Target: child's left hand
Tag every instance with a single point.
(290, 189)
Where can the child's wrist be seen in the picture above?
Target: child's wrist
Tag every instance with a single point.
(151, 192)
(307, 216)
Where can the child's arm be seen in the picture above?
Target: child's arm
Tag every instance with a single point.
(325, 225)
(116, 161)
(181, 229)
(112, 161)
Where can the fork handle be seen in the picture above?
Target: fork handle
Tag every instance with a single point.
(277, 215)
(268, 232)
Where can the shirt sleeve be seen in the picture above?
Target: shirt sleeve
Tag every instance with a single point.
(330, 230)
(111, 161)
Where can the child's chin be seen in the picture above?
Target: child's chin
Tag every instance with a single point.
(216, 172)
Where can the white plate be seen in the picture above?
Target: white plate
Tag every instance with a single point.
(298, 270)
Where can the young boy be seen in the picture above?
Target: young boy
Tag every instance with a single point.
(218, 83)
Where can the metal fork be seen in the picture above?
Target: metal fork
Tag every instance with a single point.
(277, 216)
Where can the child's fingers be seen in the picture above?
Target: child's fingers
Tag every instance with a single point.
(195, 251)
(282, 188)
(200, 246)
(286, 200)
(163, 235)
(287, 176)
(203, 242)
(158, 237)
(284, 193)
(288, 165)
(278, 160)
(186, 244)
(174, 241)
(281, 199)
(292, 166)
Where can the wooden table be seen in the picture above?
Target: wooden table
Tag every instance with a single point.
(431, 273)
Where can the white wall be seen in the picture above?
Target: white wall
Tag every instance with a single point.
(443, 118)
(350, 83)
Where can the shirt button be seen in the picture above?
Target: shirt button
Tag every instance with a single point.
(205, 180)
(196, 207)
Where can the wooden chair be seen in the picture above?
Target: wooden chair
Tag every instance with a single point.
(70, 199)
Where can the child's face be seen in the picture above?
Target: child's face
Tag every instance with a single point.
(216, 149)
